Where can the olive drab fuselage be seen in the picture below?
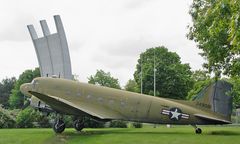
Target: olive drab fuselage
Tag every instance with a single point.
(75, 98)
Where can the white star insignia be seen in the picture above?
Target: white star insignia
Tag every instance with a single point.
(175, 114)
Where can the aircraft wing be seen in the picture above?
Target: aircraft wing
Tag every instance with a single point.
(212, 119)
(65, 106)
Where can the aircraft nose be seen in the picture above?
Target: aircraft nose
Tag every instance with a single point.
(25, 88)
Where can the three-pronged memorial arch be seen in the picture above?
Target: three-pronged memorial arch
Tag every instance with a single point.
(52, 50)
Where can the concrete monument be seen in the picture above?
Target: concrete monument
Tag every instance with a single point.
(52, 50)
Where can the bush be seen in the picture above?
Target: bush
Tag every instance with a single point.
(91, 123)
(118, 124)
(43, 120)
(47, 121)
(26, 118)
(7, 118)
(68, 120)
(137, 125)
(6, 121)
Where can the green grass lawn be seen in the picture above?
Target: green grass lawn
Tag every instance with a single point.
(146, 135)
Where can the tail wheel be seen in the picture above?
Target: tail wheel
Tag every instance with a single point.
(198, 131)
(78, 124)
(59, 126)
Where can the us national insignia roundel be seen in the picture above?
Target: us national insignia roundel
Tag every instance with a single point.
(175, 114)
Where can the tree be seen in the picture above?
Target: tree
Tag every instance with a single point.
(173, 79)
(197, 87)
(200, 75)
(104, 79)
(5, 90)
(235, 81)
(132, 86)
(16, 99)
(216, 29)
(201, 79)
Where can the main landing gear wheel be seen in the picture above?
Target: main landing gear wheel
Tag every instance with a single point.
(198, 131)
(59, 126)
(78, 124)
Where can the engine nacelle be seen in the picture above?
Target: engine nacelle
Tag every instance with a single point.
(40, 105)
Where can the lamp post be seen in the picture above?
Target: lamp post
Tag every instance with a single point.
(141, 75)
(154, 78)
(154, 75)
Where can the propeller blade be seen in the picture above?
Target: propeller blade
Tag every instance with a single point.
(26, 104)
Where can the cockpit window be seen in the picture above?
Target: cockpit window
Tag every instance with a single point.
(33, 81)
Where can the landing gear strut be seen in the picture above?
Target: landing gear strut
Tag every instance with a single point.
(78, 124)
(59, 126)
(197, 130)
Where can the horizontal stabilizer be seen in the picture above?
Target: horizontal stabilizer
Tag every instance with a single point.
(212, 119)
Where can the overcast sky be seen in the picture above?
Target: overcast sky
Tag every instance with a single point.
(102, 34)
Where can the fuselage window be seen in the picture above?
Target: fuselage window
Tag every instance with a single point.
(89, 96)
(122, 103)
(33, 81)
(111, 102)
(78, 94)
(100, 99)
(68, 92)
(57, 87)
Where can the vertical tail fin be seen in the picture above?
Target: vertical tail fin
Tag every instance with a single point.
(215, 96)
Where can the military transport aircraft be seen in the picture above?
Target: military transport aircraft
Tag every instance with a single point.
(211, 106)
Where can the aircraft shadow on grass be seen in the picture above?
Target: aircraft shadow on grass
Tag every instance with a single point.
(223, 133)
(99, 132)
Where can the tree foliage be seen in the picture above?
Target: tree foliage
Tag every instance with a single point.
(132, 86)
(235, 81)
(201, 79)
(5, 90)
(173, 79)
(197, 87)
(104, 79)
(16, 99)
(216, 29)
(200, 75)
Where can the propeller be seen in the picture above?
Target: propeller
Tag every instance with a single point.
(27, 103)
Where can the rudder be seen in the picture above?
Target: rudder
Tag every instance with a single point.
(215, 96)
